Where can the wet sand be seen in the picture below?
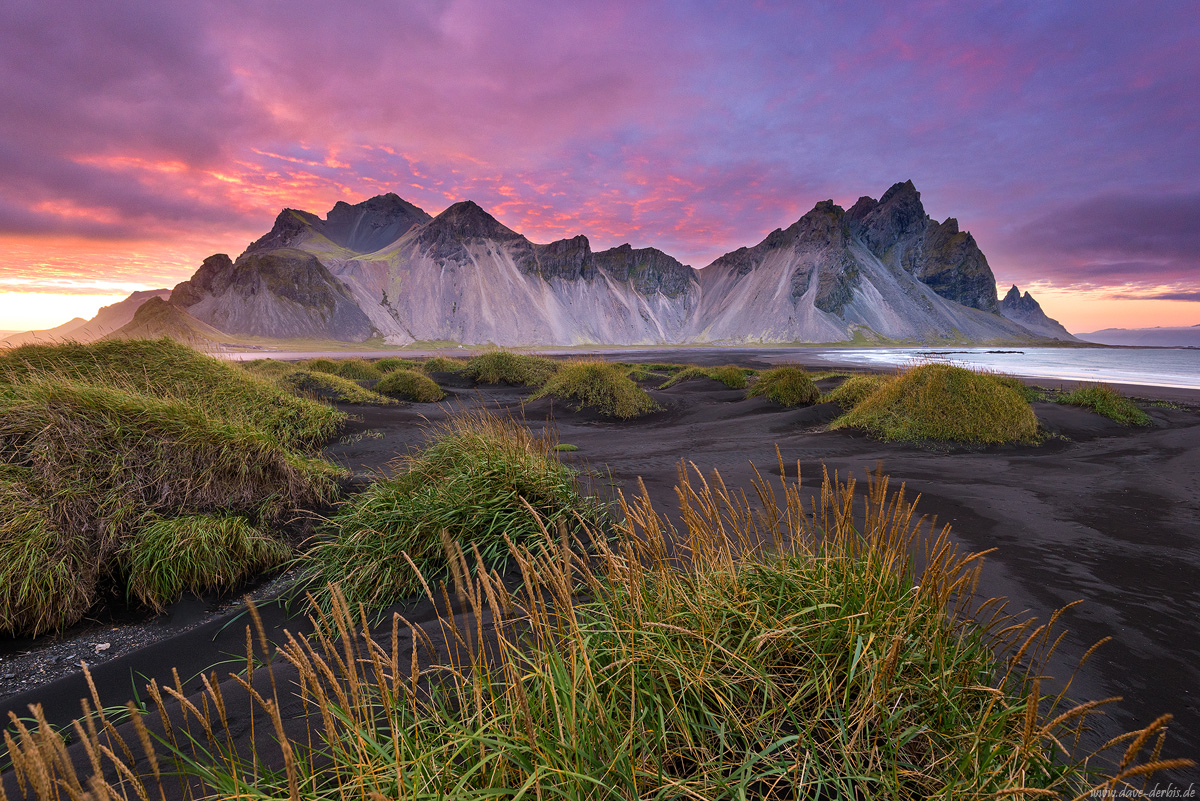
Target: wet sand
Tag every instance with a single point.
(1100, 512)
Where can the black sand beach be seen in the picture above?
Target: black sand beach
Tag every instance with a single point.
(1099, 512)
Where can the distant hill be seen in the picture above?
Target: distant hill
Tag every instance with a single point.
(107, 320)
(884, 271)
(157, 318)
(1164, 337)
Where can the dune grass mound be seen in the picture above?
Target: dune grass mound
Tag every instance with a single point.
(165, 369)
(646, 371)
(409, 385)
(482, 480)
(943, 403)
(320, 365)
(443, 364)
(196, 553)
(787, 386)
(730, 375)
(1106, 401)
(269, 369)
(855, 389)
(357, 369)
(506, 367)
(791, 654)
(328, 386)
(90, 456)
(686, 374)
(599, 385)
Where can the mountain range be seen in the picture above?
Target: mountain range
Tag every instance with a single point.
(1157, 337)
(881, 272)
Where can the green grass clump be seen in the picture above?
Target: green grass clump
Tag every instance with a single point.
(389, 363)
(506, 367)
(686, 374)
(106, 451)
(599, 385)
(168, 370)
(645, 371)
(267, 368)
(332, 387)
(47, 580)
(96, 441)
(442, 364)
(482, 479)
(320, 365)
(1104, 400)
(943, 403)
(410, 385)
(730, 375)
(196, 553)
(787, 386)
(855, 389)
(359, 369)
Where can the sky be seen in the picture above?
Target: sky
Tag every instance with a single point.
(138, 137)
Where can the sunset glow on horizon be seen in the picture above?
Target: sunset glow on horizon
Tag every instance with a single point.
(139, 138)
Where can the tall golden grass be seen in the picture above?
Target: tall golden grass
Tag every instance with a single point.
(777, 646)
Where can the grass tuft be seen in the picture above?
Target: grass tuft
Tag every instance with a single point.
(482, 480)
(943, 403)
(196, 553)
(390, 363)
(47, 580)
(506, 367)
(358, 369)
(599, 385)
(328, 386)
(787, 386)
(1104, 400)
(409, 385)
(442, 364)
(855, 389)
(320, 365)
(730, 375)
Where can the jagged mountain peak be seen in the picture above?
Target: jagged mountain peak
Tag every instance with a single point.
(290, 225)
(1013, 299)
(445, 236)
(361, 227)
(467, 218)
(372, 224)
(1026, 311)
(897, 215)
(649, 269)
(825, 223)
(904, 191)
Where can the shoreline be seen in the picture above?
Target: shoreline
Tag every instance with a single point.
(813, 358)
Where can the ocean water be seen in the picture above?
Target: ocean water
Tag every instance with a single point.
(1155, 367)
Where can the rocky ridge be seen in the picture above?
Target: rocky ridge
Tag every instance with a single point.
(881, 272)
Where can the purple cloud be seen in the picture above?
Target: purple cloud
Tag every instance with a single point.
(1062, 135)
